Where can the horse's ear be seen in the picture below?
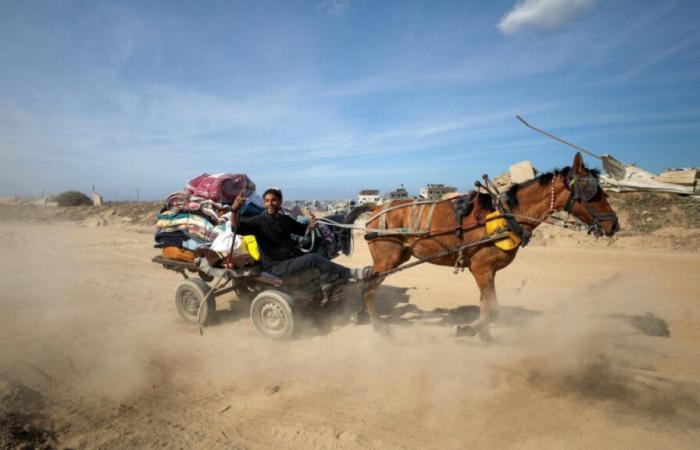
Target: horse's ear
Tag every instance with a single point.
(578, 166)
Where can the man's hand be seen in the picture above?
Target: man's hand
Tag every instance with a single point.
(313, 223)
(238, 202)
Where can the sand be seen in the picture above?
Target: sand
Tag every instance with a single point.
(94, 355)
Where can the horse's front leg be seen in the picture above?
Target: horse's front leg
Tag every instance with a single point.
(369, 293)
(386, 255)
(488, 311)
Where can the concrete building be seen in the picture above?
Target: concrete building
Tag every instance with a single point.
(399, 194)
(97, 199)
(342, 207)
(436, 191)
(369, 196)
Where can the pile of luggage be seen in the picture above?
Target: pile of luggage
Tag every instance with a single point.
(195, 222)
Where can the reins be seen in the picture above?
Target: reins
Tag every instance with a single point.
(579, 191)
(405, 231)
(414, 203)
(449, 251)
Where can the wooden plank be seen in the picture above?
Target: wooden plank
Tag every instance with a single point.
(687, 177)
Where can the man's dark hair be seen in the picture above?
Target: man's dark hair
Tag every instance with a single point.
(274, 191)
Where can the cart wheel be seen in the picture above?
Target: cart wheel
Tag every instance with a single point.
(189, 296)
(271, 313)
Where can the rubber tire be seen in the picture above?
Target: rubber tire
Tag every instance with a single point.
(189, 296)
(281, 319)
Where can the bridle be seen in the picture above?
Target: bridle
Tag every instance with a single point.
(583, 189)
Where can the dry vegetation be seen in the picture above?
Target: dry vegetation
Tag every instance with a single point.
(72, 198)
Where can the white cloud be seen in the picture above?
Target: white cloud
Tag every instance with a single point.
(335, 8)
(541, 13)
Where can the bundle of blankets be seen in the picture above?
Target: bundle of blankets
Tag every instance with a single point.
(195, 222)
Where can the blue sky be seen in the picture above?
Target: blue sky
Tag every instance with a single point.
(324, 98)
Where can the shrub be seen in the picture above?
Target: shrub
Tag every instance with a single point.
(72, 198)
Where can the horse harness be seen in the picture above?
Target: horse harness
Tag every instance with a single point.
(415, 214)
(463, 206)
(416, 226)
(581, 189)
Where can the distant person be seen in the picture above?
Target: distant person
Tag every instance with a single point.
(281, 255)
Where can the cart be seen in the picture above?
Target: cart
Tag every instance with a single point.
(276, 305)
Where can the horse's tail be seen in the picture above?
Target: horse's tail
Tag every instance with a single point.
(346, 236)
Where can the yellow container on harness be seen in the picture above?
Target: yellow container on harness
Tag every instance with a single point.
(499, 225)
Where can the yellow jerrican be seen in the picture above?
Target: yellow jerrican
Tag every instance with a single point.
(498, 225)
(252, 246)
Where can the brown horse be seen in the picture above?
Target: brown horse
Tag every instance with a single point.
(573, 189)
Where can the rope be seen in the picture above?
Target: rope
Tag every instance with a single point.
(333, 223)
(406, 232)
(313, 240)
(402, 231)
(406, 205)
(217, 285)
(549, 220)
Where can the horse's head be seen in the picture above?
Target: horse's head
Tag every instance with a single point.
(587, 201)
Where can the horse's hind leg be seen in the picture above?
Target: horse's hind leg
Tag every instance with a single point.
(485, 277)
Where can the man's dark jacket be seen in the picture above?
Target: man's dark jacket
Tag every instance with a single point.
(273, 234)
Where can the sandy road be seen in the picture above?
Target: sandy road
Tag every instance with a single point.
(93, 355)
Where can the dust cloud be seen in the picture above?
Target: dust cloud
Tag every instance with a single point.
(94, 355)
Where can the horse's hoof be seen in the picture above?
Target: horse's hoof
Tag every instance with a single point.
(466, 330)
(485, 335)
(362, 318)
(381, 328)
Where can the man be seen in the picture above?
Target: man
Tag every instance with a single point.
(280, 254)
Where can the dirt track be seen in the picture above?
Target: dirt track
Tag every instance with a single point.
(94, 355)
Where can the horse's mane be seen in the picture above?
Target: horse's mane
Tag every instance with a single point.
(542, 179)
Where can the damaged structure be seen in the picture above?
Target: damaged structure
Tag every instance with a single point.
(621, 177)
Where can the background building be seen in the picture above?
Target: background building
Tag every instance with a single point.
(399, 194)
(369, 196)
(436, 191)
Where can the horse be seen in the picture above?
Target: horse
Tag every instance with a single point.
(575, 189)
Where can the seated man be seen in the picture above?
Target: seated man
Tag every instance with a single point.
(280, 254)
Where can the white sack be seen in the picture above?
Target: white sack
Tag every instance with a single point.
(222, 243)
